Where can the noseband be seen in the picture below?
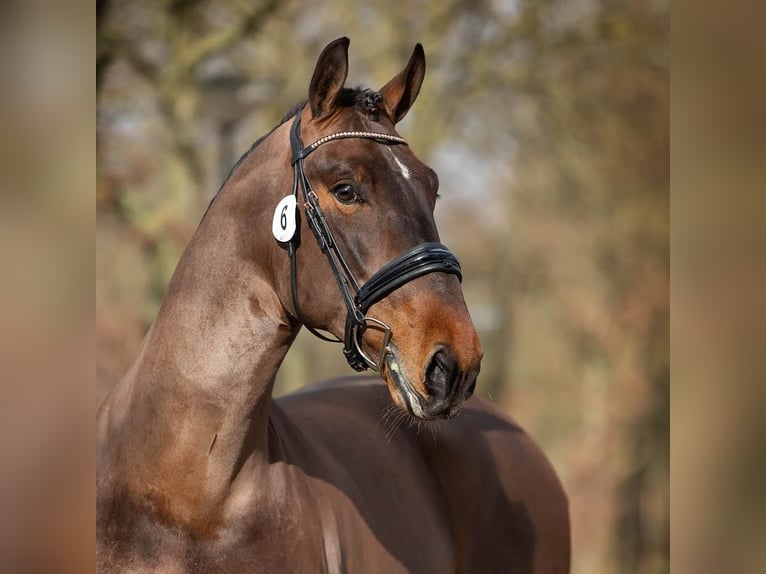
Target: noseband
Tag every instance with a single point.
(418, 261)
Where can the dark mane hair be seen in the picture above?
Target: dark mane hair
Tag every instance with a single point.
(363, 99)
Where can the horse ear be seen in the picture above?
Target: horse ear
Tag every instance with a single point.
(329, 76)
(399, 94)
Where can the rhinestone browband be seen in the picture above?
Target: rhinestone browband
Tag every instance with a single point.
(367, 135)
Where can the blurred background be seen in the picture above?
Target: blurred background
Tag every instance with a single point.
(548, 124)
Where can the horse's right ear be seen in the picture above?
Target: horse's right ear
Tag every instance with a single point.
(329, 76)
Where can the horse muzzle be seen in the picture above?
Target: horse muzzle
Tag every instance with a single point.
(444, 386)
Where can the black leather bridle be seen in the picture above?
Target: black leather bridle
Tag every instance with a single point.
(418, 261)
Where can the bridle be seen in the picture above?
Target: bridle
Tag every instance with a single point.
(418, 261)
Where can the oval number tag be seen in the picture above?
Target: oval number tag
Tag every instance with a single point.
(283, 225)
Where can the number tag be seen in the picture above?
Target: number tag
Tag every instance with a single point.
(283, 225)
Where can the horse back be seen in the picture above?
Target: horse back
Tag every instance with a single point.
(508, 510)
(475, 491)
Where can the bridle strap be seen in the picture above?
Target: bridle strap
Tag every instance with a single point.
(300, 153)
(416, 262)
(291, 248)
(420, 260)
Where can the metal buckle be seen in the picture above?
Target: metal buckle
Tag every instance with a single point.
(312, 198)
(359, 329)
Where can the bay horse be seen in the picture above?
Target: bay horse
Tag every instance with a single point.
(199, 470)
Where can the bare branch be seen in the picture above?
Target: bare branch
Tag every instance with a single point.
(221, 41)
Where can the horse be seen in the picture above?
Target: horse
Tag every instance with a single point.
(200, 470)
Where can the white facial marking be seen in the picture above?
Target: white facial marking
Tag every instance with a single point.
(413, 400)
(403, 168)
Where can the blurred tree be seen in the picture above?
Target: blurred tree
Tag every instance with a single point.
(184, 41)
(548, 124)
(589, 266)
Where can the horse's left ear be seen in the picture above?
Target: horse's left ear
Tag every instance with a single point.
(399, 94)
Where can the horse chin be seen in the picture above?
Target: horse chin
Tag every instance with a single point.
(408, 399)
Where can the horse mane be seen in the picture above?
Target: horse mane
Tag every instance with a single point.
(363, 99)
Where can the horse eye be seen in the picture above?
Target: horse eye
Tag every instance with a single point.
(345, 193)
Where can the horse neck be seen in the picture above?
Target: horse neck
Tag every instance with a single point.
(193, 411)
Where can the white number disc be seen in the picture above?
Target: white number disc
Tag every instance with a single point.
(283, 225)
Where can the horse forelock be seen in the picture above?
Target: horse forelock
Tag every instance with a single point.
(363, 99)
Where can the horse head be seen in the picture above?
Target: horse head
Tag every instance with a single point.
(376, 277)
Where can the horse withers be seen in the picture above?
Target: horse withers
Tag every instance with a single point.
(199, 470)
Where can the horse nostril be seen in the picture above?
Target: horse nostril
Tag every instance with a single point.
(441, 374)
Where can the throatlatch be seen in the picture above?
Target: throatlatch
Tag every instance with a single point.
(418, 261)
